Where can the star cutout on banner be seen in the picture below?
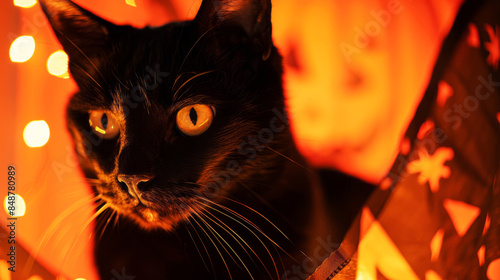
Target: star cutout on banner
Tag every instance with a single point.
(432, 167)
(493, 47)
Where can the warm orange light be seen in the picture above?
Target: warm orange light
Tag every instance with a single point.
(14, 205)
(57, 64)
(4, 270)
(22, 49)
(131, 3)
(36, 134)
(24, 3)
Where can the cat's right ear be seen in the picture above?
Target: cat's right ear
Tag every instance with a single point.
(253, 17)
(82, 34)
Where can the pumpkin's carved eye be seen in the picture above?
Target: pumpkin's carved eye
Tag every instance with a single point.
(104, 123)
(194, 120)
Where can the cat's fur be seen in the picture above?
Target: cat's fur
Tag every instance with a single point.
(236, 200)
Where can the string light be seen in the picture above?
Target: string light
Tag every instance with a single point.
(24, 3)
(19, 205)
(36, 134)
(131, 3)
(57, 64)
(22, 49)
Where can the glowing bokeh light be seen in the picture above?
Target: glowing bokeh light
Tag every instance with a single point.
(131, 3)
(4, 270)
(22, 49)
(57, 64)
(36, 134)
(18, 204)
(24, 3)
(35, 277)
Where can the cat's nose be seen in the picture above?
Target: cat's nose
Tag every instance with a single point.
(132, 184)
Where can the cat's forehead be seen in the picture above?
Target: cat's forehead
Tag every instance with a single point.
(150, 64)
(137, 53)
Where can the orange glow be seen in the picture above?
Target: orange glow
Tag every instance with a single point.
(36, 134)
(493, 272)
(432, 275)
(426, 128)
(487, 224)
(25, 3)
(57, 64)
(480, 255)
(473, 38)
(22, 49)
(4, 270)
(346, 115)
(445, 91)
(131, 3)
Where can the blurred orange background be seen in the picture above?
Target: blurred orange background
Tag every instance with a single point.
(355, 72)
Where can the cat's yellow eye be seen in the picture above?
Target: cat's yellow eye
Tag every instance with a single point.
(193, 120)
(104, 123)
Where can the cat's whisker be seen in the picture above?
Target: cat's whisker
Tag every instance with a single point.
(229, 210)
(120, 81)
(76, 193)
(256, 212)
(83, 53)
(219, 239)
(236, 219)
(56, 223)
(179, 76)
(258, 238)
(92, 180)
(194, 45)
(288, 158)
(110, 215)
(236, 237)
(88, 75)
(215, 245)
(175, 97)
(101, 207)
(144, 93)
(201, 240)
(196, 246)
(235, 216)
(202, 213)
(116, 221)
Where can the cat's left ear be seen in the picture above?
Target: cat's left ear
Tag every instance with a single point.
(82, 34)
(252, 16)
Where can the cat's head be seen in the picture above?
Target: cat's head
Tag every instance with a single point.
(164, 116)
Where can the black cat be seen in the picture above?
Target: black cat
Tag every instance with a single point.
(182, 133)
